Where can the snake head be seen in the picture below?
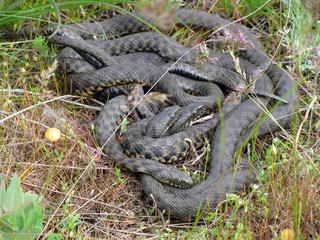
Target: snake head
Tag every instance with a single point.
(186, 182)
(172, 176)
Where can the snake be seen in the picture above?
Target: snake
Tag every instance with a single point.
(253, 117)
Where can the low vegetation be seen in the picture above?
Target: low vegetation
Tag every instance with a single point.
(81, 193)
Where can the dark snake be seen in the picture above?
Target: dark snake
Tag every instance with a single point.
(251, 118)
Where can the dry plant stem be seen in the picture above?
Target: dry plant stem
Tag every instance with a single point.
(126, 232)
(19, 42)
(198, 157)
(63, 100)
(60, 166)
(36, 105)
(18, 90)
(82, 105)
(213, 5)
(306, 116)
(192, 147)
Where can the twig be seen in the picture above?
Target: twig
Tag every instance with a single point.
(36, 105)
(306, 116)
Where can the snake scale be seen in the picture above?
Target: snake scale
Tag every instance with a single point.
(254, 116)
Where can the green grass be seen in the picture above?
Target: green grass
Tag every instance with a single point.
(83, 196)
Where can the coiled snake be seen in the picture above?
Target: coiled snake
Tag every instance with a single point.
(254, 116)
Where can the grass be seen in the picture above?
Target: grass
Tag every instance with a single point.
(86, 197)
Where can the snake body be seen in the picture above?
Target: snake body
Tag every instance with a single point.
(248, 119)
(227, 140)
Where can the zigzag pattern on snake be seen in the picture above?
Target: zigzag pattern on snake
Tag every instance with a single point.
(246, 120)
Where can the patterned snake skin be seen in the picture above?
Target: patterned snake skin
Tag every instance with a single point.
(254, 116)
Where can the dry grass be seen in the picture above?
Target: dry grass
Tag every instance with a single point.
(75, 177)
